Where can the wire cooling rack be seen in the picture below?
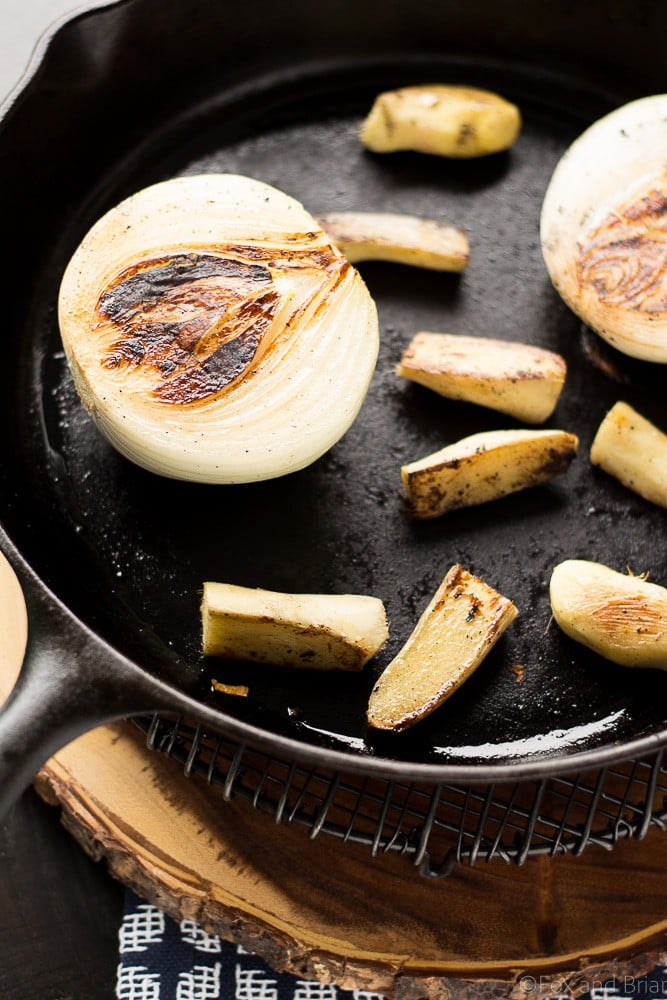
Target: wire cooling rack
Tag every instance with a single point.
(438, 826)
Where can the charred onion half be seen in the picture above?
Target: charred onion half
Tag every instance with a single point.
(214, 333)
(604, 228)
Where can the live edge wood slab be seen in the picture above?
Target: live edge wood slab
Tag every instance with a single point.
(329, 911)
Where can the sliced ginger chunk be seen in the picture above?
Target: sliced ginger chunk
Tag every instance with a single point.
(401, 239)
(514, 378)
(318, 631)
(442, 119)
(459, 627)
(485, 467)
(634, 451)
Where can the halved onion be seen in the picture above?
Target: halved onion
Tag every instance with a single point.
(604, 228)
(214, 333)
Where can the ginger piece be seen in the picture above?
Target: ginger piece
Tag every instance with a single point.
(463, 621)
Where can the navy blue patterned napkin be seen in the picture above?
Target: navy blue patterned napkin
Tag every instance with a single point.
(164, 960)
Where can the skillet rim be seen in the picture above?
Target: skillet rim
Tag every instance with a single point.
(43, 44)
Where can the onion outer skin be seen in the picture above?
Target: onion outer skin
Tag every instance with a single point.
(299, 399)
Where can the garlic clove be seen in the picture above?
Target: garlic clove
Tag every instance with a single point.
(621, 617)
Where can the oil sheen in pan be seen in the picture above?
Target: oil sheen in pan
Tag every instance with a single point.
(339, 525)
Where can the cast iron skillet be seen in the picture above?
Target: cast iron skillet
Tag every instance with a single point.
(112, 558)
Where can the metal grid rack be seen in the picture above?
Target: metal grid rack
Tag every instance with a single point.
(436, 825)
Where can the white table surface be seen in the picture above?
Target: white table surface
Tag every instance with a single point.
(22, 22)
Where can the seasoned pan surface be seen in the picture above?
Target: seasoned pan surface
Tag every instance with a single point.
(128, 551)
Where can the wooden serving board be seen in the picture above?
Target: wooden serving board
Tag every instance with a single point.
(329, 911)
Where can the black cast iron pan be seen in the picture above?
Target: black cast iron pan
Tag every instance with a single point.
(112, 558)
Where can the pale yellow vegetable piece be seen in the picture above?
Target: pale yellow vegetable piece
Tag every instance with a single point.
(445, 120)
(401, 239)
(484, 467)
(621, 617)
(236, 690)
(456, 631)
(318, 631)
(518, 379)
(631, 448)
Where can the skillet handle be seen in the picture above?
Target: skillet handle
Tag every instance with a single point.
(70, 682)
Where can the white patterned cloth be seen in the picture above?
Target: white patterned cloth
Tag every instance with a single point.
(163, 960)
